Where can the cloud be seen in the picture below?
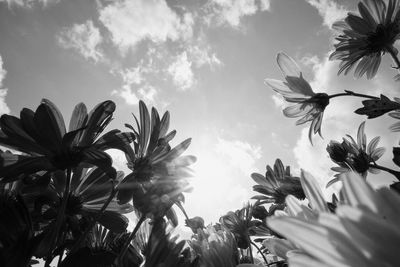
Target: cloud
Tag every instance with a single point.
(239, 154)
(29, 3)
(3, 92)
(131, 22)
(231, 12)
(181, 72)
(329, 10)
(135, 87)
(201, 55)
(84, 38)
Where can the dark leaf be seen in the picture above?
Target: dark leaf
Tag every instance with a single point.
(396, 155)
(89, 258)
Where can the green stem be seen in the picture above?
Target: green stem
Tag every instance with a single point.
(393, 172)
(259, 250)
(351, 93)
(130, 238)
(182, 209)
(396, 60)
(59, 219)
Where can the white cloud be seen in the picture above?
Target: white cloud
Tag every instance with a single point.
(3, 92)
(201, 55)
(231, 12)
(329, 10)
(29, 3)
(181, 72)
(135, 87)
(239, 154)
(85, 38)
(131, 22)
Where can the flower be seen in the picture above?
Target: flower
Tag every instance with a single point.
(276, 184)
(395, 127)
(355, 155)
(159, 172)
(309, 106)
(101, 248)
(239, 223)
(362, 232)
(215, 247)
(47, 146)
(366, 37)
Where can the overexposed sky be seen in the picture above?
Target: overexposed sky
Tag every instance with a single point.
(205, 62)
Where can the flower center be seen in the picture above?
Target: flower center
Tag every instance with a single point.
(67, 158)
(384, 36)
(74, 205)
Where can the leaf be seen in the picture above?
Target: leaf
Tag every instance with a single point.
(113, 221)
(89, 258)
(374, 108)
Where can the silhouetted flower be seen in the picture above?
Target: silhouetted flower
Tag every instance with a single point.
(260, 212)
(47, 146)
(366, 37)
(159, 173)
(355, 155)
(309, 106)
(101, 248)
(277, 184)
(362, 232)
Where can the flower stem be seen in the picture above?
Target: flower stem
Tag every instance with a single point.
(396, 60)
(59, 219)
(130, 238)
(251, 251)
(259, 250)
(351, 93)
(393, 172)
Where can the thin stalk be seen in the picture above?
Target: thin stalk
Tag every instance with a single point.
(130, 238)
(182, 209)
(60, 218)
(393, 172)
(251, 251)
(259, 250)
(351, 93)
(95, 219)
(396, 60)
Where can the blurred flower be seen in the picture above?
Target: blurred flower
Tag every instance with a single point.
(277, 184)
(195, 223)
(395, 127)
(259, 212)
(365, 226)
(159, 173)
(101, 249)
(309, 106)
(164, 250)
(366, 37)
(355, 155)
(239, 223)
(215, 247)
(47, 146)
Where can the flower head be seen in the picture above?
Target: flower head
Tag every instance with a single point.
(309, 106)
(47, 146)
(362, 232)
(215, 247)
(355, 155)
(159, 172)
(276, 184)
(366, 37)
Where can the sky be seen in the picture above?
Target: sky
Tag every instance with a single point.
(204, 61)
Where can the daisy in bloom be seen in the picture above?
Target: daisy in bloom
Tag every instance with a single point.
(366, 36)
(309, 106)
(363, 231)
(276, 184)
(355, 155)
